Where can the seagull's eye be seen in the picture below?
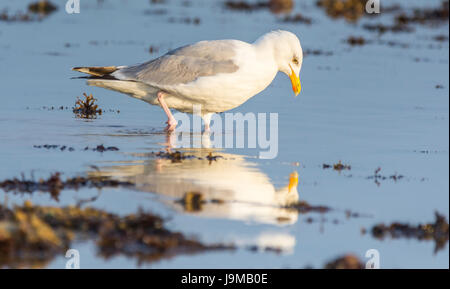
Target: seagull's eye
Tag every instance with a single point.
(295, 60)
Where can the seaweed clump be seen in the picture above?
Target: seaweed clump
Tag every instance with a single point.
(316, 52)
(55, 184)
(143, 236)
(304, 207)
(377, 177)
(337, 167)
(86, 108)
(185, 20)
(31, 235)
(18, 17)
(192, 201)
(212, 158)
(403, 21)
(245, 6)
(42, 7)
(178, 157)
(275, 6)
(425, 16)
(297, 18)
(351, 10)
(100, 148)
(175, 157)
(437, 231)
(440, 38)
(36, 12)
(281, 6)
(356, 41)
(383, 28)
(345, 262)
(26, 239)
(53, 146)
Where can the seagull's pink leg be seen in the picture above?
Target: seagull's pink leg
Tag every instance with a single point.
(207, 120)
(171, 122)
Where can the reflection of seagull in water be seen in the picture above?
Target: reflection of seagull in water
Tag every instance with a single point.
(218, 75)
(245, 193)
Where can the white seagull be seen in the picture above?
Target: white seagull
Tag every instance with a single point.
(218, 75)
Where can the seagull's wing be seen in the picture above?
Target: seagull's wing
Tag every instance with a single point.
(184, 65)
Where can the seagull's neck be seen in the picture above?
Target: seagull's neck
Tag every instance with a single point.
(265, 47)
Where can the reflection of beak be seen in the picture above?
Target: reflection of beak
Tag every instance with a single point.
(293, 181)
(295, 80)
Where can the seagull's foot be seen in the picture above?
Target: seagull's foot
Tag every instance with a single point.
(171, 125)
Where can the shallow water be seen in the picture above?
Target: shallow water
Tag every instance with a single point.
(370, 106)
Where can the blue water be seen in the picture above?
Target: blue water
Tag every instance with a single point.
(371, 106)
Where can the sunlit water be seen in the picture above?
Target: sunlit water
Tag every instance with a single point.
(371, 106)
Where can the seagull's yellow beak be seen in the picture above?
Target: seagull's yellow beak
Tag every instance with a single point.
(295, 80)
(293, 181)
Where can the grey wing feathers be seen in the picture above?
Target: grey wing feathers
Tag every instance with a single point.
(185, 64)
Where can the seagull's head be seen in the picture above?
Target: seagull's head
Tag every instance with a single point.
(288, 55)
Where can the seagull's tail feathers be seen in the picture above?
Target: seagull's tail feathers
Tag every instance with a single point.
(99, 71)
(104, 77)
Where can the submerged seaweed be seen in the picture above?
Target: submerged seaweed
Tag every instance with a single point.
(42, 7)
(178, 157)
(36, 12)
(425, 16)
(437, 231)
(194, 201)
(377, 177)
(33, 235)
(356, 40)
(404, 21)
(303, 207)
(297, 18)
(55, 184)
(339, 166)
(349, 261)
(275, 6)
(351, 10)
(100, 148)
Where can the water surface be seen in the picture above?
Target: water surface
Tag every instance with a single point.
(374, 106)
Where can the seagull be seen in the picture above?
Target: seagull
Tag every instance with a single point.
(246, 193)
(217, 75)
